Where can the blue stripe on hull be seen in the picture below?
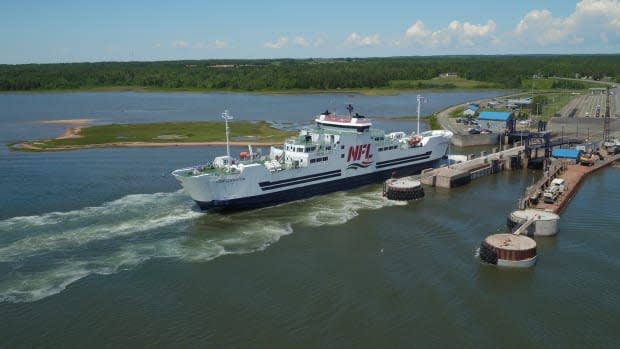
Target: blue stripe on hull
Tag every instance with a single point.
(299, 180)
(313, 189)
(399, 161)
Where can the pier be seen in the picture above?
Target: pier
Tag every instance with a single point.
(573, 175)
(457, 174)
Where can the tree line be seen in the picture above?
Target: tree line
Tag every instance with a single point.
(307, 74)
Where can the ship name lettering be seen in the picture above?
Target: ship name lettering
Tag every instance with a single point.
(356, 152)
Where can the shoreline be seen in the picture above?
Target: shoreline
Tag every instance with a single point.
(387, 91)
(30, 147)
(76, 126)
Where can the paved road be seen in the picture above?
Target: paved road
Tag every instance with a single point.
(572, 122)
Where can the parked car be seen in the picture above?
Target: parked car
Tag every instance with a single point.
(485, 130)
(473, 131)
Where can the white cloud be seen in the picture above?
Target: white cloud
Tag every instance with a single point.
(280, 43)
(542, 28)
(217, 44)
(593, 22)
(300, 41)
(356, 40)
(456, 34)
(417, 31)
(478, 30)
(441, 37)
(157, 45)
(180, 44)
(220, 44)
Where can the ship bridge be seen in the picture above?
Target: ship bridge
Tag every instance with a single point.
(354, 122)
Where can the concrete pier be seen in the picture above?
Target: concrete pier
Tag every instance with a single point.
(532, 222)
(464, 172)
(403, 189)
(508, 250)
(573, 175)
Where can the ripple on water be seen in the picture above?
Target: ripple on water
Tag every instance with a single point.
(43, 254)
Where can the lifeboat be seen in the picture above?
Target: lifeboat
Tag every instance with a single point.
(414, 140)
(244, 155)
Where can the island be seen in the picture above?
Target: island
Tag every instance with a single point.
(81, 136)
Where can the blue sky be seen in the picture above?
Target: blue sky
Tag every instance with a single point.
(88, 31)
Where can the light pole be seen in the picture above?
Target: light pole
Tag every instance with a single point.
(577, 127)
(227, 117)
(419, 98)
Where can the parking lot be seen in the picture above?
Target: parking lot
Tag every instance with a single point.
(571, 119)
(586, 105)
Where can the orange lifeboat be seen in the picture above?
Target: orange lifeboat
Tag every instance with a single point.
(244, 155)
(414, 140)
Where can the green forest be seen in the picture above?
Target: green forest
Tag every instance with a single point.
(313, 74)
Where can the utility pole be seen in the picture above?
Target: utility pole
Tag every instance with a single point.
(606, 126)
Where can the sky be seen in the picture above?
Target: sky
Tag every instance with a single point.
(52, 31)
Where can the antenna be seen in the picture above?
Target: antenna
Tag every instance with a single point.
(419, 98)
(349, 107)
(227, 117)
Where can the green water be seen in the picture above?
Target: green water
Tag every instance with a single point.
(349, 270)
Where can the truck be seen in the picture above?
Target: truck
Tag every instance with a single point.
(560, 183)
(551, 194)
(557, 187)
(586, 159)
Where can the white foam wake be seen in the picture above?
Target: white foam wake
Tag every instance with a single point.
(42, 255)
(67, 230)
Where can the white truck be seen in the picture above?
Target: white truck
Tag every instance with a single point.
(558, 186)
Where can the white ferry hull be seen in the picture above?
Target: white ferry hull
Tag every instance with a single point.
(198, 191)
(334, 156)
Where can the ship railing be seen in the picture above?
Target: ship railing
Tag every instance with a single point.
(299, 141)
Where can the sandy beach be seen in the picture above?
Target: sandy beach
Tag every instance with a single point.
(74, 129)
(69, 122)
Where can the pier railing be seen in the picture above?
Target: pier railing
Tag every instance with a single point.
(534, 193)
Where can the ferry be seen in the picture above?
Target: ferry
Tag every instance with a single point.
(339, 152)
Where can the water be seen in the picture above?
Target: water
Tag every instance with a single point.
(21, 113)
(99, 248)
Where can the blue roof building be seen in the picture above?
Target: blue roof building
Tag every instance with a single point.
(560, 153)
(471, 110)
(498, 122)
(495, 116)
